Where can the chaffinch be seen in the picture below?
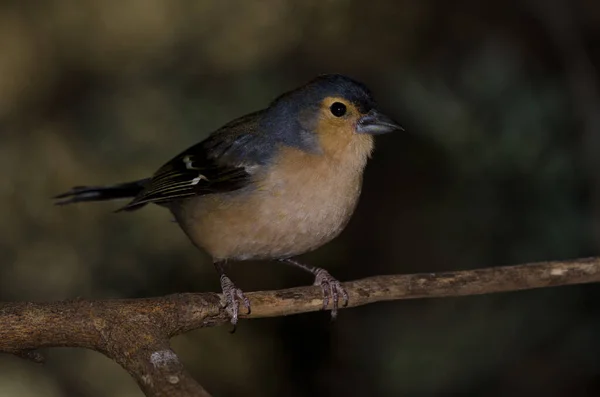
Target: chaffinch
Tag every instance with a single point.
(273, 184)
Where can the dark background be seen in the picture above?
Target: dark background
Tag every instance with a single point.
(499, 165)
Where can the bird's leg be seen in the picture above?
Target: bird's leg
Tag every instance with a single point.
(331, 287)
(232, 295)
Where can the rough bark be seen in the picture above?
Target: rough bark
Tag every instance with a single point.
(136, 332)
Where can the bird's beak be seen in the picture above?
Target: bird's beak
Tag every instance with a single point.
(376, 123)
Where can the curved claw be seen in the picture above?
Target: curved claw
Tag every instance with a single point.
(243, 300)
(332, 288)
(233, 297)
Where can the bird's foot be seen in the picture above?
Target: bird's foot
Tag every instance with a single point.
(233, 297)
(332, 289)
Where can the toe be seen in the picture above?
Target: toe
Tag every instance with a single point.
(334, 295)
(233, 311)
(345, 298)
(333, 314)
(244, 301)
(326, 293)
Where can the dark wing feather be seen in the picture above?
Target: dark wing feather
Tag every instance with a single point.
(220, 163)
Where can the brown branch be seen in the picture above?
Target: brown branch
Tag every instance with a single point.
(136, 332)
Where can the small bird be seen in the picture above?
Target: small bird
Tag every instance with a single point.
(270, 185)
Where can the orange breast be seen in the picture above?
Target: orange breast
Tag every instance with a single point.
(297, 204)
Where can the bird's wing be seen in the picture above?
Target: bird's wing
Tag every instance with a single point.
(223, 162)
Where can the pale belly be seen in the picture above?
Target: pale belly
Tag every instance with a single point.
(277, 220)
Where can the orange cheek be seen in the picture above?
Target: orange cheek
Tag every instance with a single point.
(335, 134)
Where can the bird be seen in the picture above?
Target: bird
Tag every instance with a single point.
(270, 185)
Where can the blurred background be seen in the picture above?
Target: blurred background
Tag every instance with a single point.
(498, 165)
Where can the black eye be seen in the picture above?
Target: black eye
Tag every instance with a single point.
(338, 109)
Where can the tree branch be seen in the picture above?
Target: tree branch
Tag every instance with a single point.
(136, 332)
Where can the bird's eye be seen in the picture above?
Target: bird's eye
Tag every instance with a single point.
(338, 109)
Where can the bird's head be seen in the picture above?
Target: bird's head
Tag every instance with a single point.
(328, 112)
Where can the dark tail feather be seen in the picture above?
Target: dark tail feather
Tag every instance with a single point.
(100, 193)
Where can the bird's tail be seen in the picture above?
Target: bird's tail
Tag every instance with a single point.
(100, 193)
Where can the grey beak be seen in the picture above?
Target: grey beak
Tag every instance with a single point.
(376, 123)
